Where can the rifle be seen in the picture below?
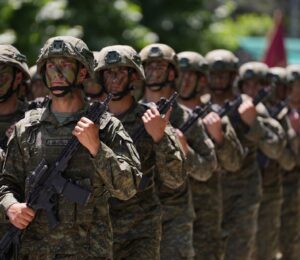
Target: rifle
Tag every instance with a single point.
(198, 112)
(47, 182)
(274, 111)
(163, 106)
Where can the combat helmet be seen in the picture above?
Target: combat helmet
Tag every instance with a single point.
(119, 56)
(11, 56)
(192, 61)
(252, 70)
(69, 47)
(293, 73)
(221, 60)
(278, 75)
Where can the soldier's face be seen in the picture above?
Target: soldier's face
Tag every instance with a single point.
(187, 82)
(294, 95)
(220, 80)
(60, 72)
(155, 71)
(116, 79)
(6, 78)
(251, 87)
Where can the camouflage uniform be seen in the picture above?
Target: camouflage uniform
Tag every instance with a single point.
(83, 231)
(267, 237)
(137, 222)
(242, 189)
(290, 212)
(177, 205)
(207, 197)
(11, 56)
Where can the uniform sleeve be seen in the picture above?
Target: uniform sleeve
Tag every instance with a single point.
(12, 178)
(117, 161)
(201, 159)
(231, 153)
(288, 158)
(170, 161)
(269, 135)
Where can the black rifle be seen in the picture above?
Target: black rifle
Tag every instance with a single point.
(274, 111)
(47, 182)
(198, 112)
(163, 106)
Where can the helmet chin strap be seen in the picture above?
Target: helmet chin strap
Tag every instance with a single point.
(10, 90)
(64, 89)
(160, 85)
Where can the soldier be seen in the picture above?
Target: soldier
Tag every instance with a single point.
(110, 165)
(137, 222)
(207, 195)
(290, 215)
(161, 69)
(242, 189)
(252, 77)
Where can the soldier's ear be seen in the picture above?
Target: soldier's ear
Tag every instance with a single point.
(82, 74)
(18, 78)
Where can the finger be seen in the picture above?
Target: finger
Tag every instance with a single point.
(150, 113)
(147, 117)
(145, 121)
(178, 132)
(27, 218)
(86, 120)
(78, 129)
(154, 111)
(23, 223)
(29, 212)
(82, 124)
(168, 114)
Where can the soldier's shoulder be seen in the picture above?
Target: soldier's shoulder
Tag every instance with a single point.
(31, 117)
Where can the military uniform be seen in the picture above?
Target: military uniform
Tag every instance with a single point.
(267, 237)
(83, 231)
(290, 212)
(137, 222)
(12, 57)
(242, 189)
(206, 189)
(177, 205)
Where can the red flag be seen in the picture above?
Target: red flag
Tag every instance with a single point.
(275, 54)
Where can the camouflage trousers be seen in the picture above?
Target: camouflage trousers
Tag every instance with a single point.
(136, 228)
(177, 225)
(269, 216)
(290, 216)
(241, 198)
(207, 233)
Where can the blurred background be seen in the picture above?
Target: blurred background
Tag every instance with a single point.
(252, 29)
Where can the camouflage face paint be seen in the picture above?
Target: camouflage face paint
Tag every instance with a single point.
(6, 78)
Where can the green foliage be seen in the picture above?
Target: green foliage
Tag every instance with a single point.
(185, 25)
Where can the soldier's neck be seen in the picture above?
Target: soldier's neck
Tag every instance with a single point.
(154, 96)
(191, 103)
(9, 106)
(70, 103)
(119, 107)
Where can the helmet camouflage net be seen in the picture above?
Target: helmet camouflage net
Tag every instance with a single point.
(189, 60)
(11, 56)
(69, 47)
(160, 52)
(222, 60)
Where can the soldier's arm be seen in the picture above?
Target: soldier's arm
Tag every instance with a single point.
(269, 136)
(201, 157)
(117, 161)
(170, 160)
(231, 153)
(12, 177)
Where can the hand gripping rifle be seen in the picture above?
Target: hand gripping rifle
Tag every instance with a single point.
(47, 182)
(163, 106)
(198, 112)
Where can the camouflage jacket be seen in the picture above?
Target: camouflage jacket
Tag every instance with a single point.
(201, 158)
(112, 172)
